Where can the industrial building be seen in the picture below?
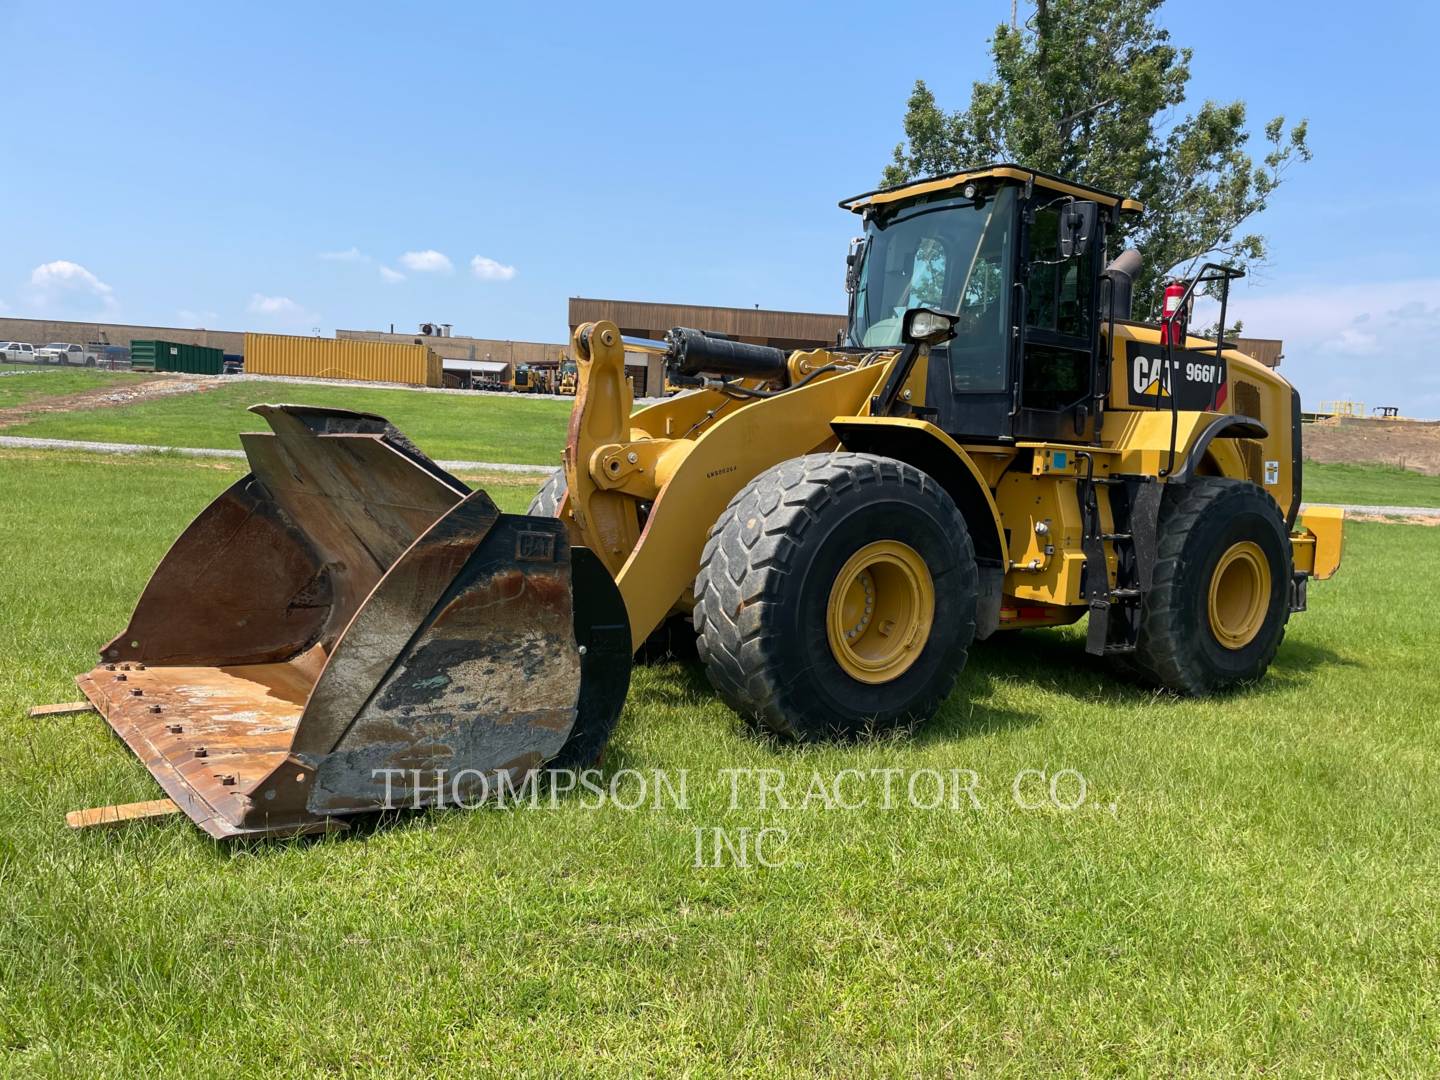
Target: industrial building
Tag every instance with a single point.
(758, 326)
(41, 331)
(472, 361)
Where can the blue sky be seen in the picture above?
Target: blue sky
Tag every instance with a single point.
(286, 167)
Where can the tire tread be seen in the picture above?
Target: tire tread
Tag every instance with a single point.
(743, 571)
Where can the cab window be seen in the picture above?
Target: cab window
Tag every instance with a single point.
(1058, 290)
(1059, 310)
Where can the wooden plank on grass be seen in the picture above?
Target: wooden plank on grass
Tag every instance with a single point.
(65, 708)
(120, 814)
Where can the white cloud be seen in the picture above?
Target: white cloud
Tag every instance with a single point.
(274, 305)
(490, 270)
(1370, 341)
(351, 254)
(67, 282)
(282, 313)
(427, 262)
(197, 319)
(392, 276)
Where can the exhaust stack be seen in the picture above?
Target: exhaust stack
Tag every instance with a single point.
(1116, 300)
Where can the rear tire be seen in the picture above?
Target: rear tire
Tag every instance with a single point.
(1220, 600)
(804, 551)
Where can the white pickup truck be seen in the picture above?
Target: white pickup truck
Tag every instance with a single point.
(17, 352)
(64, 352)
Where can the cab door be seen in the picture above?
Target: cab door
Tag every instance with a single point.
(969, 378)
(1059, 336)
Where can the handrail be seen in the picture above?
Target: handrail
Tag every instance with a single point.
(1017, 333)
(1224, 274)
(1104, 377)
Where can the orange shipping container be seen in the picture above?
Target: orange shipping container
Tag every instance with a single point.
(328, 358)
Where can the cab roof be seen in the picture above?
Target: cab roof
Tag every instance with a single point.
(903, 192)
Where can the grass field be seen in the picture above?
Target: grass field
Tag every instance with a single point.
(481, 428)
(446, 426)
(21, 384)
(1373, 485)
(1261, 898)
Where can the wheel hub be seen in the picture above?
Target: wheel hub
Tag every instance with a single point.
(1239, 595)
(880, 612)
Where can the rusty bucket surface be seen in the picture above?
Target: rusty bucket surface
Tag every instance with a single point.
(348, 619)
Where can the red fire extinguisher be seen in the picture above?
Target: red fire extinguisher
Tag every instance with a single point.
(1175, 317)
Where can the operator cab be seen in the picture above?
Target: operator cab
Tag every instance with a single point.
(1016, 256)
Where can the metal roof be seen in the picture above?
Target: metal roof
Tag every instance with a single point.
(880, 196)
(488, 367)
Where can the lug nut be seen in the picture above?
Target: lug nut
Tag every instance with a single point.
(137, 692)
(121, 677)
(227, 779)
(200, 751)
(174, 729)
(155, 708)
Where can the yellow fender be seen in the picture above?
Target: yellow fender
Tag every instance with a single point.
(740, 446)
(922, 444)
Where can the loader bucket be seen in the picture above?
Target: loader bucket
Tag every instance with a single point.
(348, 628)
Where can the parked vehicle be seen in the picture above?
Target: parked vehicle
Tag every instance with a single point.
(64, 352)
(17, 352)
(523, 381)
(232, 364)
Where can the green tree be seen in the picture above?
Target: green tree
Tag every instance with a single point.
(1089, 89)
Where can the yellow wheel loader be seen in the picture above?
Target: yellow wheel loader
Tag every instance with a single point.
(996, 446)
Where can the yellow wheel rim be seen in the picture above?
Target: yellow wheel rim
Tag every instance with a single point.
(881, 608)
(1239, 595)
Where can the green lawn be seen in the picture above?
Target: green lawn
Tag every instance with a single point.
(480, 428)
(1261, 898)
(446, 426)
(21, 384)
(1369, 485)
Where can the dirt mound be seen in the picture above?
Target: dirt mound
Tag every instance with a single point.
(102, 397)
(1411, 444)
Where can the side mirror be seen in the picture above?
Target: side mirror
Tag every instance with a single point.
(852, 264)
(926, 326)
(1077, 226)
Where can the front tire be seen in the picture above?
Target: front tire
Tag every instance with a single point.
(673, 639)
(836, 596)
(546, 502)
(1220, 600)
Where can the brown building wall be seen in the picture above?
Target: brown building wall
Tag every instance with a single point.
(43, 331)
(1269, 351)
(759, 326)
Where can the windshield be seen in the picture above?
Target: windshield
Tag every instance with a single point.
(948, 254)
(58, 345)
